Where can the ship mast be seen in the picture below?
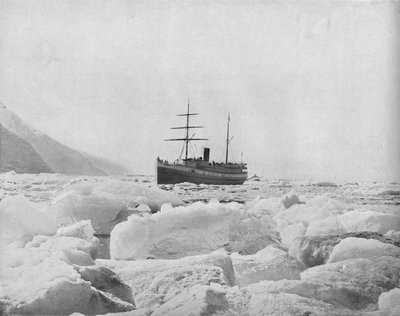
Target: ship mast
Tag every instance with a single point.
(187, 132)
(227, 140)
(186, 139)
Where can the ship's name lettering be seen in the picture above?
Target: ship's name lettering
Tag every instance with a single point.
(207, 173)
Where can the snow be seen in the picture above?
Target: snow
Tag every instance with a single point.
(13, 122)
(184, 231)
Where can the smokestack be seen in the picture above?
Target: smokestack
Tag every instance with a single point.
(206, 154)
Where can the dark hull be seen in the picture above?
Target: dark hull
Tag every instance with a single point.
(171, 174)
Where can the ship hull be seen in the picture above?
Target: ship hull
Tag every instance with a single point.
(171, 174)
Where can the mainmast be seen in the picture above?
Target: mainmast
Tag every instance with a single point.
(228, 141)
(187, 139)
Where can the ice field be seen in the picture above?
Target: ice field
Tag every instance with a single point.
(123, 246)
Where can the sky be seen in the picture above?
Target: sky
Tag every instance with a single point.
(312, 87)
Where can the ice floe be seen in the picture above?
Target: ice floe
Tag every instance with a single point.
(20, 221)
(196, 301)
(363, 278)
(154, 282)
(389, 303)
(360, 220)
(104, 211)
(315, 250)
(196, 229)
(135, 194)
(351, 248)
(48, 276)
(270, 263)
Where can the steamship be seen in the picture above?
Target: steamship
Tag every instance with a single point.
(201, 169)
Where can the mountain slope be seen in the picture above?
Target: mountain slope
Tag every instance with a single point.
(18, 155)
(59, 158)
(111, 168)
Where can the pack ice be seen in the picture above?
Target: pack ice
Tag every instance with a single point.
(283, 254)
(46, 270)
(195, 229)
(106, 203)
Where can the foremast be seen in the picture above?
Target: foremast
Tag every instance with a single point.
(186, 139)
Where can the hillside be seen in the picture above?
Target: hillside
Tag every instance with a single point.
(56, 156)
(18, 155)
(111, 168)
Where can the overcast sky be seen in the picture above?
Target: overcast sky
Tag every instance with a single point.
(312, 87)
